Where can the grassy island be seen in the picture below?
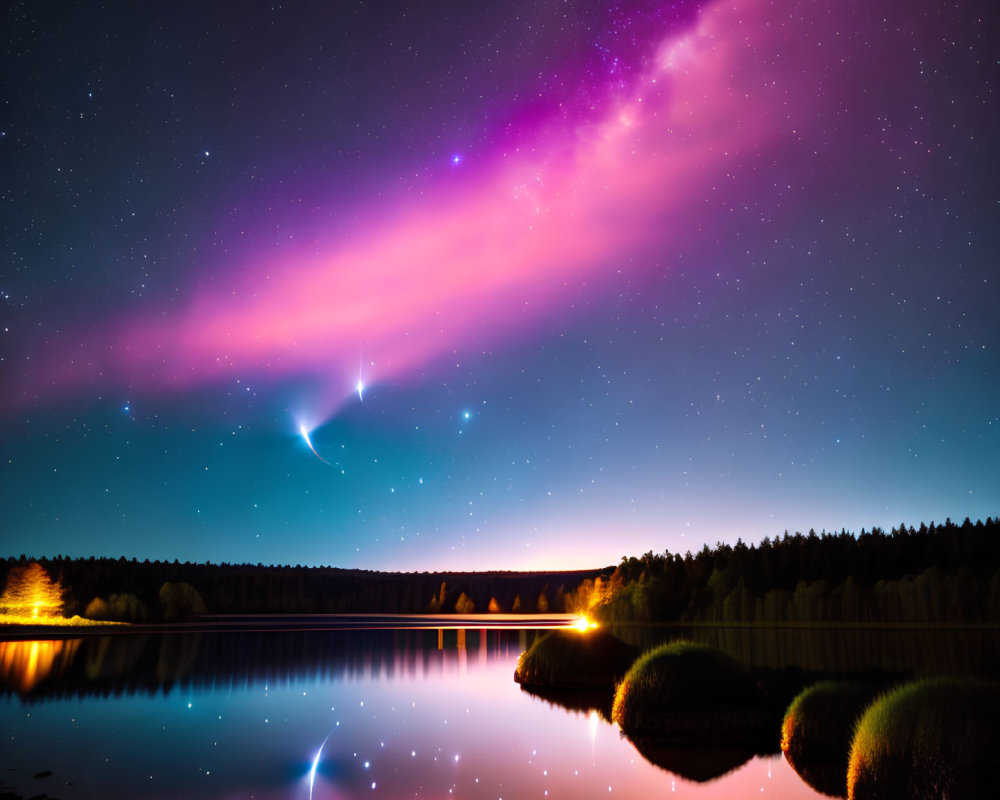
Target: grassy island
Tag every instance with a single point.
(692, 694)
(817, 731)
(569, 659)
(928, 739)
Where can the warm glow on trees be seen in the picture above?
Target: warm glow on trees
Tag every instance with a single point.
(464, 604)
(31, 594)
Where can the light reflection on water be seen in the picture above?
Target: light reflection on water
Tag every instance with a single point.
(23, 665)
(389, 713)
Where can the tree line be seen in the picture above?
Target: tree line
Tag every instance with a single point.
(935, 573)
(154, 591)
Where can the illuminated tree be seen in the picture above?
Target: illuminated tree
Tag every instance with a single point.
(464, 604)
(437, 601)
(120, 607)
(31, 593)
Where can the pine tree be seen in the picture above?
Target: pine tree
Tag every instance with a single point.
(31, 593)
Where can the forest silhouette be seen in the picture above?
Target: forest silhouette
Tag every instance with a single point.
(946, 573)
(943, 573)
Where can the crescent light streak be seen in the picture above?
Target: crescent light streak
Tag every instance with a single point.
(315, 765)
(304, 433)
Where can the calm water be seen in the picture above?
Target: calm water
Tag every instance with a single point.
(325, 714)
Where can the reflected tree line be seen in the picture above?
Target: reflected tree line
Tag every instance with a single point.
(153, 663)
(947, 573)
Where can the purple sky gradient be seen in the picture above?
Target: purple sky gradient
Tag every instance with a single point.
(615, 278)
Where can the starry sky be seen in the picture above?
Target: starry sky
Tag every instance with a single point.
(447, 285)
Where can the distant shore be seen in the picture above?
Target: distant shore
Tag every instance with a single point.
(221, 623)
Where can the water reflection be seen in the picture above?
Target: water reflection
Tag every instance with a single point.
(590, 702)
(112, 656)
(151, 663)
(698, 764)
(128, 663)
(24, 665)
(333, 714)
(838, 650)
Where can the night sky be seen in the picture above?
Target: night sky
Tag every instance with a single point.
(494, 286)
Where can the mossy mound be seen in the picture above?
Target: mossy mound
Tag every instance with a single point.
(929, 739)
(574, 660)
(817, 731)
(691, 694)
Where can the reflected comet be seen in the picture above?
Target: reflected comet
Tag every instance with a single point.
(315, 764)
(304, 433)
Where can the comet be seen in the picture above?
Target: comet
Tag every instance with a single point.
(304, 433)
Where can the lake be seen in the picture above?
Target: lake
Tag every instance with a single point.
(377, 708)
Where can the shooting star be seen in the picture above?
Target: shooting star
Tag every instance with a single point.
(304, 433)
(361, 382)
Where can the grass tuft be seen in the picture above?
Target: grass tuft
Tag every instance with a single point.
(928, 739)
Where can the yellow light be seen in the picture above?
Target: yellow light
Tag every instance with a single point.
(31, 597)
(23, 665)
(30, 592)
(583, 624)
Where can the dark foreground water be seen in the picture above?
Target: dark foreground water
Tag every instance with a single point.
(351, 713)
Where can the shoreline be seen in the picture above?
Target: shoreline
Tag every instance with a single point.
(234, 623)
(276, 622)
